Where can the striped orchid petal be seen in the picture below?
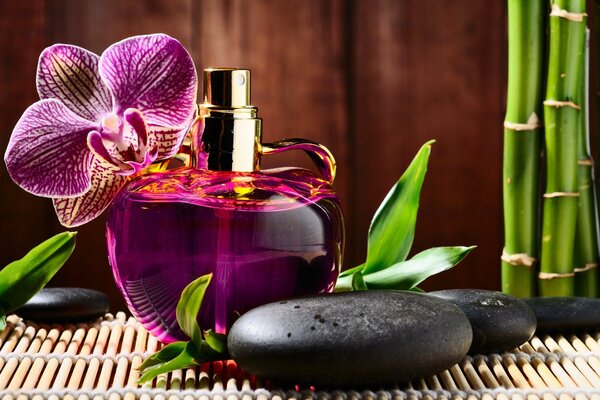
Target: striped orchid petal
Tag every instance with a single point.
(70, 74)
(105, 185)
(155, 75)
(47, 154)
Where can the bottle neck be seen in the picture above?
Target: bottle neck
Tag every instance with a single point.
(226, 139)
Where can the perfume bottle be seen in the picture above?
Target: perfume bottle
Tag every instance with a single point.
(265, 235)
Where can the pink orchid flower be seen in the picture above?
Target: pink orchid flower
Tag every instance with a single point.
(101, 120)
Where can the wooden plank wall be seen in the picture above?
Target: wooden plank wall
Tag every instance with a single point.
(372, 80)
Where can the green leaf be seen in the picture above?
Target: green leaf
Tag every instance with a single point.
(393, 227)
(351, 271)
(358, 282)
(344, 281)
(165, 354)
(22, 279)
(185, 359)
(408, 274)
(343, 284)
(216, 341)
(189, 306)
(2, 322)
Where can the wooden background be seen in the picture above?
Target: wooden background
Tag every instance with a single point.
(372, 80)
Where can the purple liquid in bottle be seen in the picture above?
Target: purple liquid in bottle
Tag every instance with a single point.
(265, 236)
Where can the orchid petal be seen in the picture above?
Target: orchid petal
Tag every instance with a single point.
(47, 154)
(168, 140)
(155, 75)
(70, 74)
(79, 210)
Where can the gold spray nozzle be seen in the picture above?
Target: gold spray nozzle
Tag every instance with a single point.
(227, 87)
(231, 139)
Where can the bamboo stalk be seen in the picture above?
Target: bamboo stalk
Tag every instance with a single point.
(522, 146)
(561, 116)
(586, 254)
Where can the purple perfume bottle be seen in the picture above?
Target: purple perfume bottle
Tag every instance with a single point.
(265, 235)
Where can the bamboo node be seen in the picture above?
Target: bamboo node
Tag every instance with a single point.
(588, 162)
(518, 259)
(553, 275)
(560, 194)
(571, 16)
(515, 126)
(533, 122)
(559, 104)
(586, 267)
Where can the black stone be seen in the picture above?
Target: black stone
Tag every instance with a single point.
(352, 339)
(565, 313)
(500, 322)
(65, 305)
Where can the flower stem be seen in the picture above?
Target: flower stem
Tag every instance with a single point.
(561, 116)
(522, 145)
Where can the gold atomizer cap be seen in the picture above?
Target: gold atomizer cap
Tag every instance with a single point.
(227, 87)
(231, 139)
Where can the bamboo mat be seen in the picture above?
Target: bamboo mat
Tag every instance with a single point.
(99, 360)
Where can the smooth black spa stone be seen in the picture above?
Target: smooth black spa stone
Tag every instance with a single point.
(500, 322)
(65, 305)
(352, 339)
(565, 313)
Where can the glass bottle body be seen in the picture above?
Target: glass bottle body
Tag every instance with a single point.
(265, 236)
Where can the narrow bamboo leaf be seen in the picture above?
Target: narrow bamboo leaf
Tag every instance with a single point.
(343, 284)
(393, 227)
(185, 359)
(344, 281)
(408, 274)
(189, 306)
(2, 322)
(22, 279)
(216, 341)
(417, 289)
(351, 271)
(358, 283)
(165, 354)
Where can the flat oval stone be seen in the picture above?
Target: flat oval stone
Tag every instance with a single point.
(351, 339)
(500, 322)
(565, 313)
(65, 305)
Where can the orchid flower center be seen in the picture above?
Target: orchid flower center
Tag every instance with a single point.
(110, 124)
(122, 139)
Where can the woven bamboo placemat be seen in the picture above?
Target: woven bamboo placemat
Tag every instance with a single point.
(99, 361)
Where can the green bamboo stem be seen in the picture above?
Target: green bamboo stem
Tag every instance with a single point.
(522, 145)
(586, 253)
(561, 116)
